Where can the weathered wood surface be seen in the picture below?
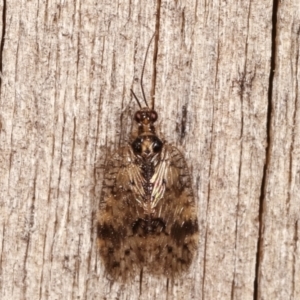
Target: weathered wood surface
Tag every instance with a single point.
(67, 69)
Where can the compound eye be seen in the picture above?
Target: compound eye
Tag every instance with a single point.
(138, 117)
(137, 146)
(153, 116)
(157, 145)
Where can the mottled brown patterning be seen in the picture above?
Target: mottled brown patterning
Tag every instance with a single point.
(147, 218)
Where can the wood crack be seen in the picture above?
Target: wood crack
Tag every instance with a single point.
(2, 39)
(256, 292)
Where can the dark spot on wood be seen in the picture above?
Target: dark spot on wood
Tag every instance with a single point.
(127, 252)
(181, 127)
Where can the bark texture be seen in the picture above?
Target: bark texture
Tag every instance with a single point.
(224, 76)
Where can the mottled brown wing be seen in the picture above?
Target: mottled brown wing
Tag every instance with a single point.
(118, 211)
(163, 242)
(178, 239)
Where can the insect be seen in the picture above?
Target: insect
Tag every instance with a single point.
(147, 217)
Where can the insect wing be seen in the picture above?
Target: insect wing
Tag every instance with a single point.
(130, 239)
(117, 213)
(177, 242)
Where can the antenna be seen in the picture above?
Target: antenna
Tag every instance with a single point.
(136, 98)
(144, 69)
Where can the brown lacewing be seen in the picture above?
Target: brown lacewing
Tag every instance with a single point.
(147, 218)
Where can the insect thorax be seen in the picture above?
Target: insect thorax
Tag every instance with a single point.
(147, 149)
